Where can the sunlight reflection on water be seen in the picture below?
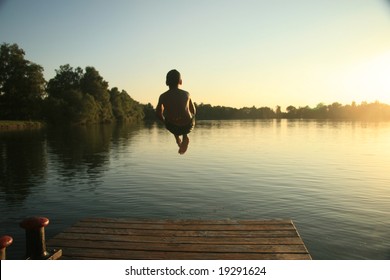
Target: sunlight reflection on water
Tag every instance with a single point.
(331, 178)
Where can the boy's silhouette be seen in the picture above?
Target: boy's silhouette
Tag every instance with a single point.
(176, 110)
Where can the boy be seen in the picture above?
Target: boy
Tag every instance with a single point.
(176, 110)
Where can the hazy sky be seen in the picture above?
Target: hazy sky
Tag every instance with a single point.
(230, 52)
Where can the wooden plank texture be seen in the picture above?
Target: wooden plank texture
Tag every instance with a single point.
(104, 238)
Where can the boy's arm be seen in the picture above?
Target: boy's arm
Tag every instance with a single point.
(192, 108)
(159, 110)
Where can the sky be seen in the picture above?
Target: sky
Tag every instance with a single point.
(236, 53)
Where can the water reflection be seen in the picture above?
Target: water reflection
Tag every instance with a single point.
(83, 153)
(72, 151)
(53, 172)
(23, 163)
(320, 174)
(80, 149)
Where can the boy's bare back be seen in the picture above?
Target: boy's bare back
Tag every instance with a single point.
(177, 106)
(176, 110)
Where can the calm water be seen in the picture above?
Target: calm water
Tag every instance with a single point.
(331, 178)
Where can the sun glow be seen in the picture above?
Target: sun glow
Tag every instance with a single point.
(369, 80)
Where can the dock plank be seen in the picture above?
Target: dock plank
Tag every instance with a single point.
(180, 239)
(177, 226)
(150, 232)
(102, 238)
(95, 254)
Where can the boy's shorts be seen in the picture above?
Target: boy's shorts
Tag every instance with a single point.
(180, 130)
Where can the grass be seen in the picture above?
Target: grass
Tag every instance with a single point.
(6, 125)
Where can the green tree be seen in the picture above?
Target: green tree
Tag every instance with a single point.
(79, 96)
(291, 112)
(335, 111)
(278, 112)
(22, 85)
(320, 111)
(149, 112)
(66, 79)
(124, 107)
(66, 102)
(92, 83)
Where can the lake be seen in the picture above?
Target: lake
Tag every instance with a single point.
(331, 178)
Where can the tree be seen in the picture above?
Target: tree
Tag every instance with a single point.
(335, 111)
(92, 83)
(278, 112)
(22, 85)
(291, 112)
(124, 107)
(79, 96)
(66, 102)
(66, 79)
(149, 112)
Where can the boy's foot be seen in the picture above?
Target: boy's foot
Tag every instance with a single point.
(184, 145)
(178, 140)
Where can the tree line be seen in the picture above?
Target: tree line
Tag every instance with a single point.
(353, 111)
(74, 95)
(82, 96)
(336, 111)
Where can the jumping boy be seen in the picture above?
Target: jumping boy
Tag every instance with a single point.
(176, 110)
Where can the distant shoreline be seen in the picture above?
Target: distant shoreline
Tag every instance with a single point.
(16, 125)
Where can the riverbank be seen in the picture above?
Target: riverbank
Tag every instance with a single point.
(13, 125)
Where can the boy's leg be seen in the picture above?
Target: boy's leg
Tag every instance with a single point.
(184, 144)
(178, 140)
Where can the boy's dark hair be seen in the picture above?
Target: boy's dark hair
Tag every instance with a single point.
(173, 78)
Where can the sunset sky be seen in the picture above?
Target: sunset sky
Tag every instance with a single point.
(230, 52)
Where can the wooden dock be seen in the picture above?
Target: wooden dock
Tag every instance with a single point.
(99, 238)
